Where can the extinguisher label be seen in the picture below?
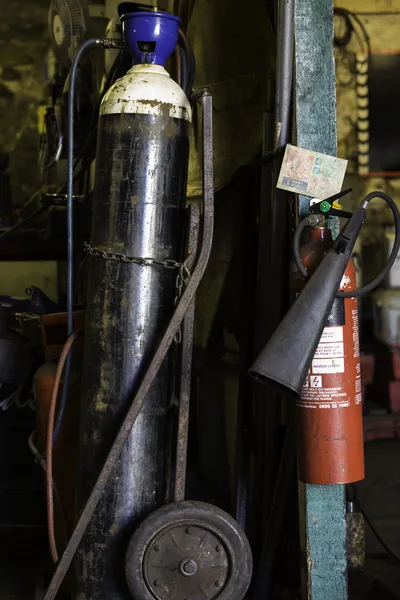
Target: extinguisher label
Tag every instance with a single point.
(332, 334)
(316, 381)
(334, 379)
(334, 350)
(356, 337)
(328, 365)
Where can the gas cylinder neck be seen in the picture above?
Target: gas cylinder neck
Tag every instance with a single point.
(153, 69)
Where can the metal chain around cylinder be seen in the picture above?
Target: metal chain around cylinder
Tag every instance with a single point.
(181, 279)
(144, 262)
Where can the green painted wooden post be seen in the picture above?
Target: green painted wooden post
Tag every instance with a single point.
(322, 508)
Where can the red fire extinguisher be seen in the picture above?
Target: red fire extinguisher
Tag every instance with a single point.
(329, 410)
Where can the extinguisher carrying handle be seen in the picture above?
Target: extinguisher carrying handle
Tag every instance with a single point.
(314, 220)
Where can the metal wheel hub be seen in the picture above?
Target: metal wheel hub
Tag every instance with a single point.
(188, 567)
(186, 561)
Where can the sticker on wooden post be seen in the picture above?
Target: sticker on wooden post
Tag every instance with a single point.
(311, 173)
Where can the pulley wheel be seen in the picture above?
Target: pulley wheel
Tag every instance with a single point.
(188, 551)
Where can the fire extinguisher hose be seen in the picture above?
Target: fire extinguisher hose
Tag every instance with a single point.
(313, 220)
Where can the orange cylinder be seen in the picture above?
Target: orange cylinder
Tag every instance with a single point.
(329, 410)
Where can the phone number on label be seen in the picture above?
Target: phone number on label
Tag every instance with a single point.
(334, 405)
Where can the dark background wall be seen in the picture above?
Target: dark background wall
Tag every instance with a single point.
(23, 46)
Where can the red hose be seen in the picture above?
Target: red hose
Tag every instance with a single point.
(49, 446)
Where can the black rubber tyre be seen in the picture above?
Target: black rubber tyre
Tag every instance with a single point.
(172, 536)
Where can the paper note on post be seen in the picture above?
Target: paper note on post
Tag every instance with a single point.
(311, 173)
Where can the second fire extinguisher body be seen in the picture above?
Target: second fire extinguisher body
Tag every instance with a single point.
(329, 410)
(137, 227)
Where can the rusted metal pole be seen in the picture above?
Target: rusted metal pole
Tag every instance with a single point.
(186, 367)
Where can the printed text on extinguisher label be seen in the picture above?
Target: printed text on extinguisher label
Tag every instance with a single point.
(334, 350)
(332, 334)
(334, 379)
(328, 365)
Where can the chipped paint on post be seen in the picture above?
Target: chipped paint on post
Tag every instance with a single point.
(323, 541)
(321, 507)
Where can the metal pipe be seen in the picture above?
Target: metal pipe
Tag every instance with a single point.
(184, 404)
(285, 45)
(273, 269)
(264, 410)
(157, 361)
(70, 222)
(287, 472)
(274, 251)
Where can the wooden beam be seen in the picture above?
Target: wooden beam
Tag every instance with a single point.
(321, 507)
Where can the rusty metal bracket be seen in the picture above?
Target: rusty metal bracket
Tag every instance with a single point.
(158, 359)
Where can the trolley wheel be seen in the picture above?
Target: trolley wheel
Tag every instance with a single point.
(188, 551)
